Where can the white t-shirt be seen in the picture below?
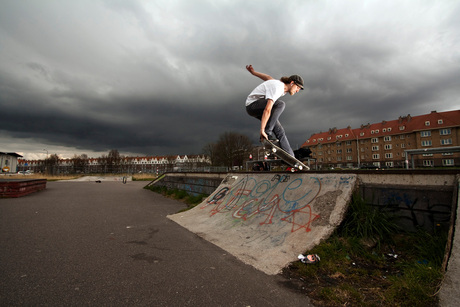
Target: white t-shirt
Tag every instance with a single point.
(271, 89)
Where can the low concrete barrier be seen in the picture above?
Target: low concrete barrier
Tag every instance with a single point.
(18, 187)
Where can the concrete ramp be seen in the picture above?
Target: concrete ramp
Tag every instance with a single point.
(268, 219)
(101, 178)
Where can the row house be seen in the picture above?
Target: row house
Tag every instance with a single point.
(384, 144)
(149, 164)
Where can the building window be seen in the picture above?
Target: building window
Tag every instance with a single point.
(447, 162)
(401, 137)
(388, 146)
(349, 150)
(446, 142)
(375, 156)
(440, 122)
(446, 131)
(388, 155)
(349, 158)
(427, 123)
(402, 128)
(374, 140)
(387, 138)
(428, 162)
(339, 151)
(426, 143)
(389, 164)
(375, 148)
(425, 133)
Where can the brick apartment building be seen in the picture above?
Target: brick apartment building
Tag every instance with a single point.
(384, 144)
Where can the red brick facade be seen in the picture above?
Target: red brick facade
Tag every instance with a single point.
(383, 144)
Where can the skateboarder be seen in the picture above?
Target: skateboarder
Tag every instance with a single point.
(263, 103)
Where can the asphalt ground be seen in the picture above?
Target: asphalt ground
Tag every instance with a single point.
(110, 244)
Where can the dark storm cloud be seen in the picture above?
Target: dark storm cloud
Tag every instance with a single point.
(167, 77)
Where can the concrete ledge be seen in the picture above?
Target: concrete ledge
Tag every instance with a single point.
(18, 187)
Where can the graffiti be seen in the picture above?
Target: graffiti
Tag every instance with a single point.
(218, 196)
(281, 178)
(275, 202)
(427, 209)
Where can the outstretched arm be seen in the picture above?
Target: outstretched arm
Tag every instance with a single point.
(262, 76)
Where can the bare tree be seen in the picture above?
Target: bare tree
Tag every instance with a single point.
(231, 149)
(210, 151)
(79, 163)
(52, 164)
(112, 162)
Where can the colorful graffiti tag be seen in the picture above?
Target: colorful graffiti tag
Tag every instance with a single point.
(277, 201)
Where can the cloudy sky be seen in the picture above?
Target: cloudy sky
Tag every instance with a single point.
(154, 77)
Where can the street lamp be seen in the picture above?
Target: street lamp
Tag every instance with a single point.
(46, 153)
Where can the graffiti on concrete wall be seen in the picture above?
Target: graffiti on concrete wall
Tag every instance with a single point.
(426, 209)
(413, 208)
(274, 202)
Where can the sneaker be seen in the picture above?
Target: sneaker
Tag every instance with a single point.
(302, 153)
(272, 137)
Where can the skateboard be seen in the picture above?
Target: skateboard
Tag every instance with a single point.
(283, 155)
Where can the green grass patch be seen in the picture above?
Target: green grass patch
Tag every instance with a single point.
(369, 261)
(190, 199)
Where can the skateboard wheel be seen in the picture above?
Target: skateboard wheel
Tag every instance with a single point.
(274, 149)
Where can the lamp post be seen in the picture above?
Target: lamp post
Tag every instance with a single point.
(46, 153)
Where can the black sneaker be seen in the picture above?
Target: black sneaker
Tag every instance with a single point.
(272, 138)
(302, 153)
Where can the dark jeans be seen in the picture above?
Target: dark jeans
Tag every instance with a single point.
(256, 109)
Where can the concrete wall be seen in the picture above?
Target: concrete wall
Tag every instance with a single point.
(192, 183)
(418, 200)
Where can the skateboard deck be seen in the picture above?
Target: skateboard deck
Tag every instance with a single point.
(283, 155)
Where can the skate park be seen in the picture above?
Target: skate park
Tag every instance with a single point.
(265, 219)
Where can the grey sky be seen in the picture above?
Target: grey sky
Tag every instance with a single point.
(168, 77)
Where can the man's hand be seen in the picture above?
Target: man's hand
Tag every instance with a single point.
(263, 136)
(260, 75)
(250, 69)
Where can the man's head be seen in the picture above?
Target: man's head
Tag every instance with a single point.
(297, 80)
(293, 83)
